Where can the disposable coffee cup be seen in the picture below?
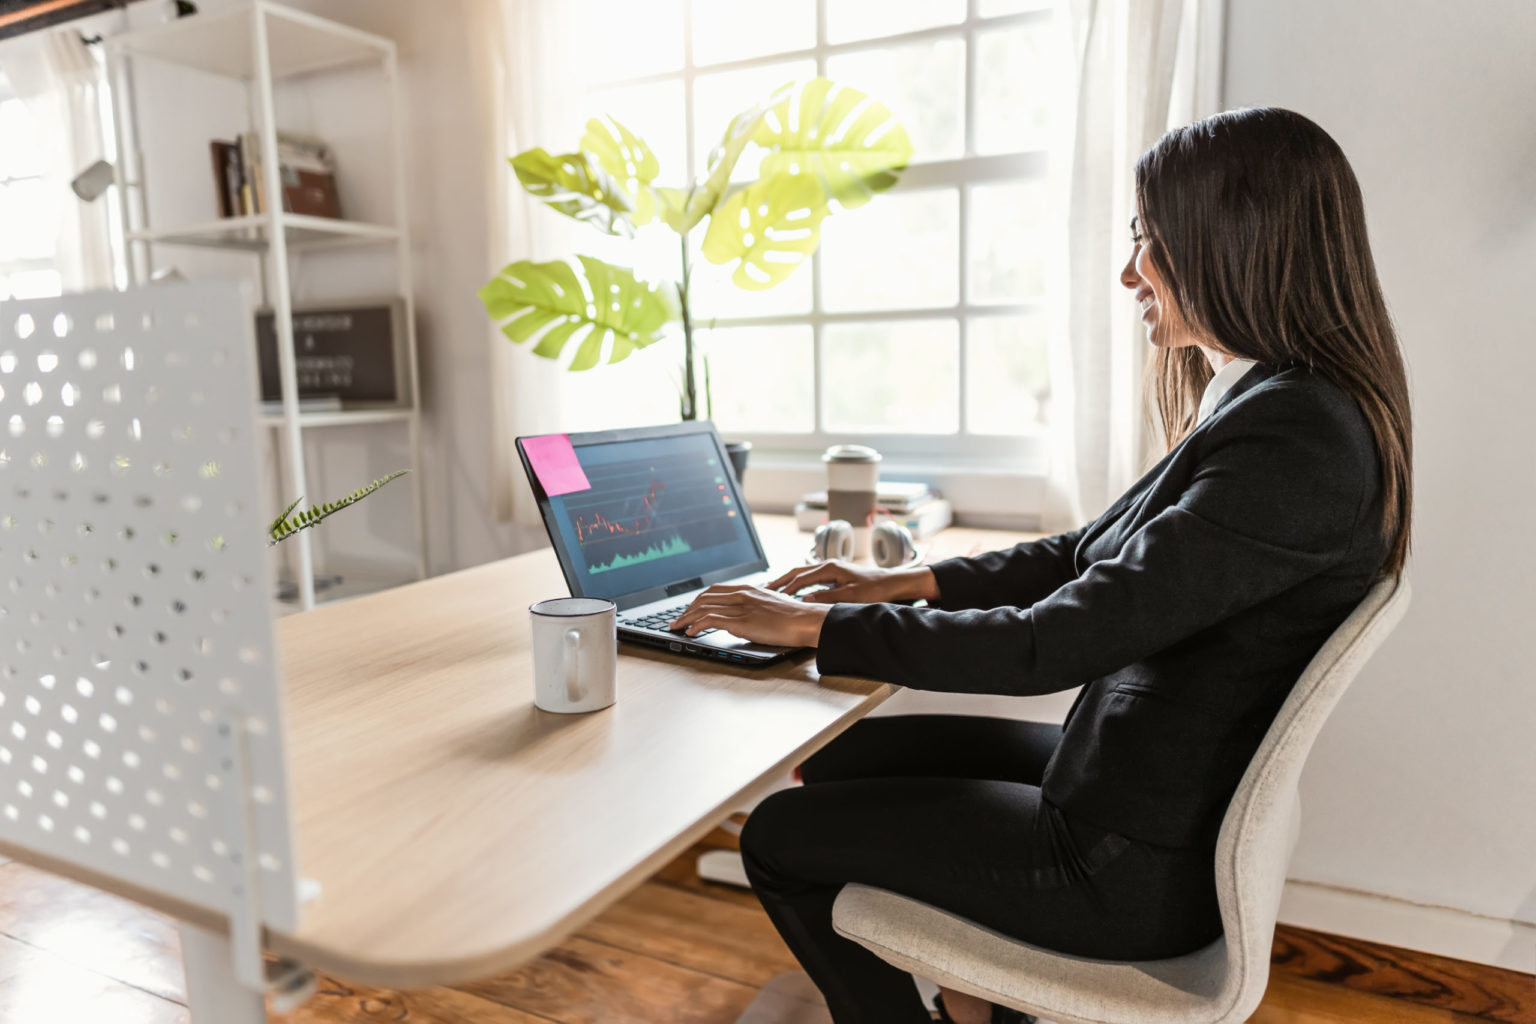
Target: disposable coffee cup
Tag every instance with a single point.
(853, 477)
(575, 654)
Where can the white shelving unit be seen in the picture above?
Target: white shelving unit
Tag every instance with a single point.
(260, 45)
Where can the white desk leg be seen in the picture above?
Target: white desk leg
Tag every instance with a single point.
(723, 867)
(214, 995)
(789, 998)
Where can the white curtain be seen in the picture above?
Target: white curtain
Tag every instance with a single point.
(523, 57)
(538, 59)
(58, 78)
(1143, 65)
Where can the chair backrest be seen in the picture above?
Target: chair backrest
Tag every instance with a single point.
(1259, 831)
(137, 661)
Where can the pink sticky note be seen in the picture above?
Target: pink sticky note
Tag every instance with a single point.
(554, 463)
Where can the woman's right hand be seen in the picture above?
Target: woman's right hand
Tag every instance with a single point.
(849, 583)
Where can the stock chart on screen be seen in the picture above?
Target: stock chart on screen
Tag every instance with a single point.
(656, 512)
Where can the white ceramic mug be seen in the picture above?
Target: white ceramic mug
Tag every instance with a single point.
(575, 653)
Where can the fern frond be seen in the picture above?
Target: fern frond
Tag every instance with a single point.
(272, 530)
(289, 523)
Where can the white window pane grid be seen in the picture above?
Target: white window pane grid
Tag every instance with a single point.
(923, 82)
(729, 30)
(757, 378)
(850, 20)
(720, 96)
(899, 252)
(17, 160)
(891, 377)
(966, 86)
(631, 40)
(1008, 383)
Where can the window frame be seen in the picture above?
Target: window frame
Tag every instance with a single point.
(985, 475)
(20, 264)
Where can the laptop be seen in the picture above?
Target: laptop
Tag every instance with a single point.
(648, 518)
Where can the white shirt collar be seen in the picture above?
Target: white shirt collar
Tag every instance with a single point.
(1220, 384)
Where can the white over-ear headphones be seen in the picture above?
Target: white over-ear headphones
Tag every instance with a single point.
(833, 540)
(891, 543)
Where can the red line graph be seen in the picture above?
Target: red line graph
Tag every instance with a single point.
(601, 526)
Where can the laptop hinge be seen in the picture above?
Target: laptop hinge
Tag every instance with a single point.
(683, 586)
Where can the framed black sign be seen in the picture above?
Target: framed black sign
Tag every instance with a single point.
(353, 353)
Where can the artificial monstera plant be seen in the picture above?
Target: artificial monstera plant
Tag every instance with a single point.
(825, 147)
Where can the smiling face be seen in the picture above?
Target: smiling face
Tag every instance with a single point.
(1160, 315)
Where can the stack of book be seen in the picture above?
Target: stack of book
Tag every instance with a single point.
(916, 506)
(306, 169)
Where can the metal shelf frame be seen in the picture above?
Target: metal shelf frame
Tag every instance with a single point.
(260, 44)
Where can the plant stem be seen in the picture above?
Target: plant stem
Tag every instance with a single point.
(690, 404)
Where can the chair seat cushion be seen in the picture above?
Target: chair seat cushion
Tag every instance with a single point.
(956, 953)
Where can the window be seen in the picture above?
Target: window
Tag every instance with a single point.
(29, 205)
(920, 325)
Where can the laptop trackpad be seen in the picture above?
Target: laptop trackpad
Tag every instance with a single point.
(724, 641)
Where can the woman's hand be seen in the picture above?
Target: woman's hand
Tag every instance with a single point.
(848, 583)
(755, 614)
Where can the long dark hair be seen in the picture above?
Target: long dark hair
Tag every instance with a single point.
(1256, 223)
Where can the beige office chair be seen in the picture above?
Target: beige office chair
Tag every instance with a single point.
(1221, 983)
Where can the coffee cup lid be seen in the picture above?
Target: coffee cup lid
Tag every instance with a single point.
(851, 453)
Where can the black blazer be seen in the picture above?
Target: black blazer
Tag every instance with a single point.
(1186, 612)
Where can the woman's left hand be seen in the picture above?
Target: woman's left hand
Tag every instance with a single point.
(756, 614)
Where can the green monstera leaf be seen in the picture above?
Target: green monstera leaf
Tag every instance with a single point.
(771, 227)
(627, 160)
(850, 144)
(601, 305)
(578, 186)
(700, 200)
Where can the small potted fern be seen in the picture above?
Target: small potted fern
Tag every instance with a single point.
(288, 523)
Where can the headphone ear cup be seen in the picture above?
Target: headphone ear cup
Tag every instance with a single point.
(892, 544)
(834, 540)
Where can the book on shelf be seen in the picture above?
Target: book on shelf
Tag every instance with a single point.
(226, 176)
(306, 170)
(924, 520)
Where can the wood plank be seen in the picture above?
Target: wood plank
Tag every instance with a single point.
(91, 929)
(689, 930)
(1291, 1000)
(586, 982)
(1487, 993)
(338, 1002)
(39, 987)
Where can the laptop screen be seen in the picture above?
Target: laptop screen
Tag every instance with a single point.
(659, 511)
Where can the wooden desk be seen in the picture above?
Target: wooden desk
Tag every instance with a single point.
(458, 831)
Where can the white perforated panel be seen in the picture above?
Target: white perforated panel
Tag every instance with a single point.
(133, 593)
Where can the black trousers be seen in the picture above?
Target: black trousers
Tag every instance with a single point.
(947, 809)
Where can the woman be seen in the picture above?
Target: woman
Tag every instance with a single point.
(1186, 612)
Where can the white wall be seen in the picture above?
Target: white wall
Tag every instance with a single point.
(1423, 786)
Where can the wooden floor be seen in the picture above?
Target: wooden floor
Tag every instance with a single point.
(676, 951)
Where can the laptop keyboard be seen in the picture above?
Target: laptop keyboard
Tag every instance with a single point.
(659, 620)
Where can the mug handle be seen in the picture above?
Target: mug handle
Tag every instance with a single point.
(572, 671)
